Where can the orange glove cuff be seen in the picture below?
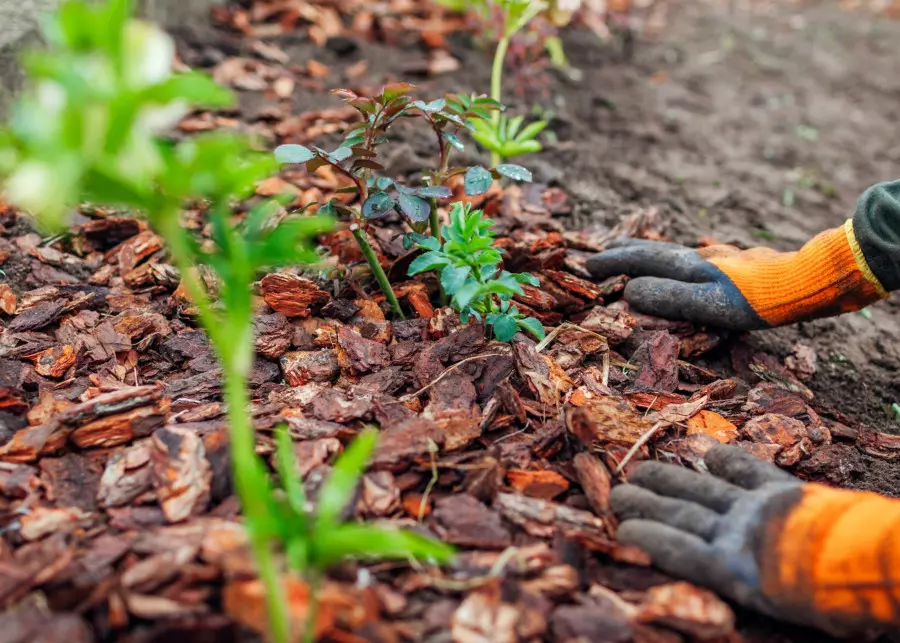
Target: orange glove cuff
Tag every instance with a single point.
(828, 276)
(837, 553)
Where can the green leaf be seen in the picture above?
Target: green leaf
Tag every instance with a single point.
(377, 205)
(288, 471)
(427, 261)
(429, 243)
(514, 172)
(504, 326)
(453, 139)
(383, 182)
(453, 278)
(293, 154)
(477, 181)
(435, 192)
(340, 154)
(340, 486)
(374, 542)
(363, 104)
(533, 326)
(434, 106)
(415, 208)
(194, 87)
(395, 90)
(526, 278)
(531, 131)
(466, 294)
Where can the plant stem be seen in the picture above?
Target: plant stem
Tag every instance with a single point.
(360, 235)
(250, 478)
(497, 86)
(436, 233)
(314, 583)
(251, 484)
(434, 220)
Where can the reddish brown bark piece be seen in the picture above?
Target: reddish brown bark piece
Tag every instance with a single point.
(615, 325)
(714, 425)
(104, 404)
(544, 484)
(245, 602)
(575, 285)
(654, 400)
(546, 380)
(7, 299)
(543, 519)
(607, 420)
(302, 367)
(137, 249)
(684, 607)
(591, 622)
(290, 295)
(128, 475)
(409, 440)
(787, 435)
(483, 617)
(273, 335)
(121, 428)
(880, 445)
(181, 473)
(536, 298)
(42, 521)
(334, 405)
(658, 357)
(463, 520)
(27, 444)
(72, 480)
(594, 478)
(54, 362)
(359, 354)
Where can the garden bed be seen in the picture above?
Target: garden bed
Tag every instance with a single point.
(118, 512)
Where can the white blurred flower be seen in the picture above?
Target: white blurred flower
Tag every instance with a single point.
(149, 53)
(157, 119)
(31, 187)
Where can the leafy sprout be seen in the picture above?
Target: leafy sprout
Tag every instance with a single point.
(468, 266)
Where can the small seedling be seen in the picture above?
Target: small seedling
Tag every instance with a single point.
(468, 265)
(505, 138)
(508, 139)
(315, 541)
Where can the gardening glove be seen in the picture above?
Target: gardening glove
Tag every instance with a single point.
(838, 271)
(803, 553)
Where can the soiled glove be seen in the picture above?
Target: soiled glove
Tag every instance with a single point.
(803, 553)
(838, 271)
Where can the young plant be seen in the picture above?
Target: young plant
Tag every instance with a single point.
(357, 159)
(88, 129)
(314, 541)
(469, 271)
(495, 134)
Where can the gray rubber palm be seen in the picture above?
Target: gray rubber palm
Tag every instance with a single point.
(675, 282)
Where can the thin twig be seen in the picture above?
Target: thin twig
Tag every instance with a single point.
(410, 396)
(644, 439)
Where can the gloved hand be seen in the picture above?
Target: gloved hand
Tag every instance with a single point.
(838, 271)
(803, 553)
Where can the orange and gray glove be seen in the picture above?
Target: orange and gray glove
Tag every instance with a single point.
(803, 553)
(838, 271)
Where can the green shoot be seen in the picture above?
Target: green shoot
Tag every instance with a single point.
(469, 271)
(315, 541)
